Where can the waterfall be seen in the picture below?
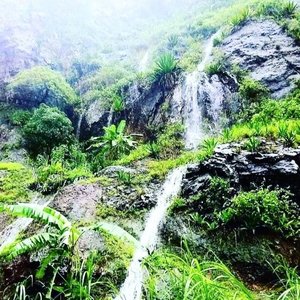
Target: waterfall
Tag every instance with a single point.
(110, 116)
(197, 87)
(79, 125)
(193, 89)
(132, 287)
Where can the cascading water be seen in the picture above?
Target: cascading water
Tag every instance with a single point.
(132, 287)
(79, 125)
(196, 85)
(188, 94)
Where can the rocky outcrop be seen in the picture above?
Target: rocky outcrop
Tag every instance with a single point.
(78, 201)
(246, 170)
(265, 50)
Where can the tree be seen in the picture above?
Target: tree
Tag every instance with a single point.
(46, 129)
(39, 85)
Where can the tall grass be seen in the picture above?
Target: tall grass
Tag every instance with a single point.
(174, 277)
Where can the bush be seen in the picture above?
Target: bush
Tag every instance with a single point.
(46, 129)
(263, 208)
(218, 65)
(112, 145)
(39, 85)
(20, 117)
(66, 164)
(252, 90)
(170, 142)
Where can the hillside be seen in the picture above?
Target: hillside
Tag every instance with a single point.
(150, 150)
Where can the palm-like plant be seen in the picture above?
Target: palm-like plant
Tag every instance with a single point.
(59, 239)
(60, 232)
(164, 71)
(114, 142)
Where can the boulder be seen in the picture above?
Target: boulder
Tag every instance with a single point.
(78, 201)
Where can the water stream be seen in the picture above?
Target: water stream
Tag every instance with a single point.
(190, 92)
(132, 287)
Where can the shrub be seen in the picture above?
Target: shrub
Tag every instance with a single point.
(170, 142)
(46, 129)
(65, 165)
(112, 145)
(252, 144)
(240, 18)
(118, 104)
(20, 117)
(218, 65)
(39, 85)
(164, 70)
(263, 208)
(252, 90)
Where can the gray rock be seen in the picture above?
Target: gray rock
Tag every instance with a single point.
(244, 169)
(78, 201)
(264, 49)
(90, 241)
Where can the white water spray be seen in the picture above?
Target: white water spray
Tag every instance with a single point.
(192, 93)
(132, 287)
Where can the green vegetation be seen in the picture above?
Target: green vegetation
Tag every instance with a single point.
(65, 165)
(263, 208)
(112, 145)
(15, 182)
(63, 271)
(186, 277)
(164, 70)
(46, 129)
(39, 85)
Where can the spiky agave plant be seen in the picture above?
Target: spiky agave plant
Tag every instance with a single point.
(164, 70)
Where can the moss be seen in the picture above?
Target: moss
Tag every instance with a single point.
(15, 182)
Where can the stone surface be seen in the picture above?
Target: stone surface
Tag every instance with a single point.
(247, 170)
(264, 49)
(78, 201)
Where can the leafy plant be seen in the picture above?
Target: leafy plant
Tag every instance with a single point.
(46, 129)
(125, 177)
(209, 145)
(252, 144)
(288, 136)
(153, 149)
(263, 208)
(252, 91)
(113, 144)
(240, 18)
(164, 70)
(118, 104)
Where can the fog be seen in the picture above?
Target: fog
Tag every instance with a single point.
(58, 30)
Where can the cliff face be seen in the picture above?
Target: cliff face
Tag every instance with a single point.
(262, 48)
(268, 53)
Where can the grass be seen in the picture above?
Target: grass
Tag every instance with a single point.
(184, 277)
(15, 182)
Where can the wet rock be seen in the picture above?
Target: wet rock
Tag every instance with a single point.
(264, 49)
(78, 201)
(246, 170)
